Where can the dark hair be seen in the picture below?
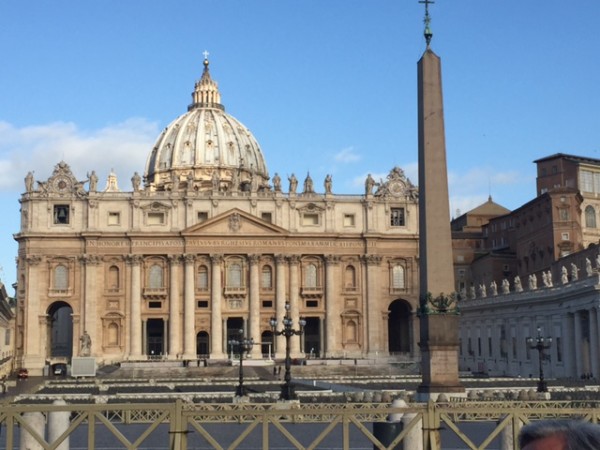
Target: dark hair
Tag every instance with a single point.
(578, 435)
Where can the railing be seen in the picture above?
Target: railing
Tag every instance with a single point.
(181, 425)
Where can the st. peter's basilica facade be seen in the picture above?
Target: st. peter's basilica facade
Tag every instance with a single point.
(206, 243)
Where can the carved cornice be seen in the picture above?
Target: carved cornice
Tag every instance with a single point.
(33, 260)
(294, 260)
(372, 260)
(90, 260)
(134, 260)
(217, 258)
(332, 259)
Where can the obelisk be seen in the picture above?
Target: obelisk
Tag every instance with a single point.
(438, 311)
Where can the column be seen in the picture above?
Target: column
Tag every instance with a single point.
(594, 356)
(568, 349)
(254, 307)
(90, 317)
(280, 266)
(135, 311)
(216, 338)
(372, 304)
(333, 331)
(189, 309)
(294, 309)
(174, 308)
(578, 338)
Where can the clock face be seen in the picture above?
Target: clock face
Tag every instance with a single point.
(61, 184)
(396, 188)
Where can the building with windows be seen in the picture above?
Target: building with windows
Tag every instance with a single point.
(206, 242)
(535, 267)
(7, 330)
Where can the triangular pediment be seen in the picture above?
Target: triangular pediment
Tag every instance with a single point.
(235, 222)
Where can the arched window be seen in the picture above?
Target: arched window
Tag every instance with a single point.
(311, 276)
(267, 278)
(113, 277)
(234, 275)
(350, 277)
(61, 278)
(590, 217)
(351, 332)
(203, 278)
(155, 279)
(398, 277)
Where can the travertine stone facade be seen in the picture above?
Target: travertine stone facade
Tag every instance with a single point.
(208, 244)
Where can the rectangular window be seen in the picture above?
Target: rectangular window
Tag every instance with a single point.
(202, 216)
(202, 303)
(564, 236)
(310, 219)
(154, 305)
(397, 217)
(7, 337)
(312, 303)
(267, 217)
(267, 304)
(156, 218)
(586, 181)
(349, 220)
(61, 214)
(563, 214)
(114, 218)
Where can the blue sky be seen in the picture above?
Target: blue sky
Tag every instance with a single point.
(326, 86)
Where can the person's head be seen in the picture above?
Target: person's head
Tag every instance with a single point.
(560, 435)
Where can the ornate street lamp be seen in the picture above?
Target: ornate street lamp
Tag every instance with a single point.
(287, 388)
(540, 343)
(241, 345)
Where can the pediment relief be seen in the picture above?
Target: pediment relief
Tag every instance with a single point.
(238, 222)
(61, 182)
(155, 206)
(311, 208)
(397, 185)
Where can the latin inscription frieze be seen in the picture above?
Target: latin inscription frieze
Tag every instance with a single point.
(215, 243)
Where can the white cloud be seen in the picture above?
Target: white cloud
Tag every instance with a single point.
(122, 147)
(346, 156)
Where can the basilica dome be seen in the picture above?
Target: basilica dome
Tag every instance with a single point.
(206, 149)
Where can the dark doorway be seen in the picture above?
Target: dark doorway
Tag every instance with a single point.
(155, 334)
(234, 325)
(61, 329)
(312, 337)
(202, 344)
(399, 327)
(266, 347)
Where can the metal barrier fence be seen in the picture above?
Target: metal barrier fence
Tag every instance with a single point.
(181, 426)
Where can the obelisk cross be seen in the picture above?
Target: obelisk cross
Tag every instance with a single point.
(428, 34)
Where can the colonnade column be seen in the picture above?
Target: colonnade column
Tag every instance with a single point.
(280, 266)
(174, 307)
(333, 332)
(254, 309)
(568, 347)
(294, 307)
(90, 319)
(189, 309)
(216, 325)
(578, 339)
(372, 306)
(135, 320)
(593, 323)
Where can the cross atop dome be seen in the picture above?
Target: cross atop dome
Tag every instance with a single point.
(206, 91)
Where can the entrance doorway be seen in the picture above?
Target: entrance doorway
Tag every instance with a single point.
(312, 337)
(202, 345)
(399, 327)
(61, 329)
(234, 325)
(266, 346)
(155, 337)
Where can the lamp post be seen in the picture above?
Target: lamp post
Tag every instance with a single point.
(287, 388)
(540, 343)
(241, 345)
